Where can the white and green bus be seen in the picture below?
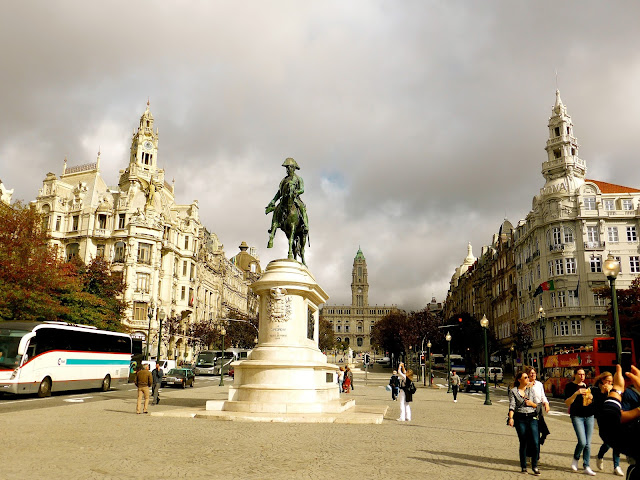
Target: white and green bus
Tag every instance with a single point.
(45, 357)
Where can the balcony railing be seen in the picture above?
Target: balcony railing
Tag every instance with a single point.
(556, 247)
(597, 245)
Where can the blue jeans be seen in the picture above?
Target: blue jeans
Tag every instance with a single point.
(583, 427)
(616, 455)
(527, 428)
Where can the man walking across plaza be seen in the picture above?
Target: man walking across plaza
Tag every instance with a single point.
(455, 384)
(144, 380)
(157, 375)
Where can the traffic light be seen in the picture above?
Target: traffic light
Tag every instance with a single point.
(460, 320)
(367, 359)
(422, 359)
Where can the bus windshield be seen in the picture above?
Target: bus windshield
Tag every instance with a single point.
(206, 358)
(9, 341)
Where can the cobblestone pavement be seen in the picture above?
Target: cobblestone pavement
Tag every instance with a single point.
(444, 440)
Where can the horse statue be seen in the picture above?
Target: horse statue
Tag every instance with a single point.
(290, 214)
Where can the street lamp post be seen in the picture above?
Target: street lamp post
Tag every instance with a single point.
(542, 320)
(429, 354)
(448, 339)
(513, 360)
(150, 314)
(161, 316)
(611, 270)
(484, 323)
(222, 332)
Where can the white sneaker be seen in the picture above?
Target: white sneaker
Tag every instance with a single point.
(588, 471)
(574, 465)
(600, 463)
(455, 401)
(400, 419)
(618, 471)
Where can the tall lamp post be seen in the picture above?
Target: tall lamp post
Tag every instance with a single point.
(150, 313)
(542, 320)
(484, 323)
(448, 339)
(161, 316)
(429, 355)
(222, 332)
(611, 270)
(513, 361)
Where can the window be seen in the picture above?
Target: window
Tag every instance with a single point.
(559, 266)
(100, 250)
(121, 220)
(576, 327)
(592, 233)
(598, 300)
(609, 204)
(102, 221)
(570, 263)
(634, 264)
(73, 249)
(139, 311)
(632, 236)
(572, 296)
(184, 268)
(346, 329)
(562, 299)
(58, 222)
(556, 153)
(144, 253)
(555, 329)
(619, 259)
(143, 282)
(550, 264)
(118, 256)
(627, 204)
(75, 223)
(612, 234)
(338, 328)
(599, 327)
(590, 203)
(360, 341)
(564, 328)
(568, 235)
(183, 293)
(186, 242)
(552, 299)
(596, 264)
(556, 236)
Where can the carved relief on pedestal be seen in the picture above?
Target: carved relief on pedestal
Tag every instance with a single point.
(279, 305)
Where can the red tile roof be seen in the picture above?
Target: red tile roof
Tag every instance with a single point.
(612, 187)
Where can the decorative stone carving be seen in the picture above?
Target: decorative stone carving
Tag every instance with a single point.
(279, 305)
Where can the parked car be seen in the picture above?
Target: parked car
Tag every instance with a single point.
(493, 371)
(179, 377)
(231, 372)
(474, 382)
(384, 361)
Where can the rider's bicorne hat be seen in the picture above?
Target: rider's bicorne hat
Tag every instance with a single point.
(290, 161)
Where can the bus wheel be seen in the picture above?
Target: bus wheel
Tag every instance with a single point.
(44, 390)
(106, 383)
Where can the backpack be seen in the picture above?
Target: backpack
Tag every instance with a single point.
(410, 387)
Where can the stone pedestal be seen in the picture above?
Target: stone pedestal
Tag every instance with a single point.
(286, 372)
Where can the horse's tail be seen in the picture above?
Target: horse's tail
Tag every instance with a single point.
(308, 240)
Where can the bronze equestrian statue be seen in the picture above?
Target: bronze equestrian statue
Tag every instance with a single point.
(290, 215)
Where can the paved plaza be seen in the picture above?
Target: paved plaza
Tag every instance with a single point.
(107, 440)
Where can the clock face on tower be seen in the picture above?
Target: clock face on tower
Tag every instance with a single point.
(147, 145)
(359, 290)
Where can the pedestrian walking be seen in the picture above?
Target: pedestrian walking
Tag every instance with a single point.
(144, 380)
(407, 388)
(581, 409)
(157, 375)
(340, 378)
(346, 382)
(455, 384)
(495, 379)
(523, 417)
(539, 398)
(601, 388)
(394, 383)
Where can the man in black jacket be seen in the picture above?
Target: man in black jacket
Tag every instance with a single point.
(157, 375)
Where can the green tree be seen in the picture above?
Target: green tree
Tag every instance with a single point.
(326, 339)
(524, 339)
(203, 335)
(386, 333)
(241, 333)
(628, 310)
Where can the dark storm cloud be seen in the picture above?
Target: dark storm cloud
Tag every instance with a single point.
(418, 125)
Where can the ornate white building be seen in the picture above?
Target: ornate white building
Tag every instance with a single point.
(573, 225)
(352, 323)
(172, 265)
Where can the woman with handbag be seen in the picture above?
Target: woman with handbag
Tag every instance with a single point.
(582, 410)
(406, 392)
(523, 416)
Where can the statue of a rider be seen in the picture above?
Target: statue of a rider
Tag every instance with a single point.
(297, 184)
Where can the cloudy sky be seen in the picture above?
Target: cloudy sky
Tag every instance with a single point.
(418, 125)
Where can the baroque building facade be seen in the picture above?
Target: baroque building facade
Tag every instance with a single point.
(553, 258)
(173, 266)
(352, 324)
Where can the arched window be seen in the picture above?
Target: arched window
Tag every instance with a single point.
(360, 341)
(45, 217)
(346, 340)
(119, 252)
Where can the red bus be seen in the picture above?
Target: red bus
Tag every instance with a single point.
(594, 359)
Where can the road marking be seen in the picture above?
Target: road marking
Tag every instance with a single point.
(28, 400)
(558, 414)
(76, 399)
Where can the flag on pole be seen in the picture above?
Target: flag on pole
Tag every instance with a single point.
(544, 286)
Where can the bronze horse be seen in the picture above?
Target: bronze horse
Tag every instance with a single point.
(288, 218)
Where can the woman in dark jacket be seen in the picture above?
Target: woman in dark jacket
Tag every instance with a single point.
(582, 410)
(601, 389)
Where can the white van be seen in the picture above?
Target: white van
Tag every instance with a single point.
(492, 372)
(165, 365)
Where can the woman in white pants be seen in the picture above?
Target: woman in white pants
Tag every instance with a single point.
(405, 407)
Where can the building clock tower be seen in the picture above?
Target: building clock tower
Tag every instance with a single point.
(144, 145)
(359, 282)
